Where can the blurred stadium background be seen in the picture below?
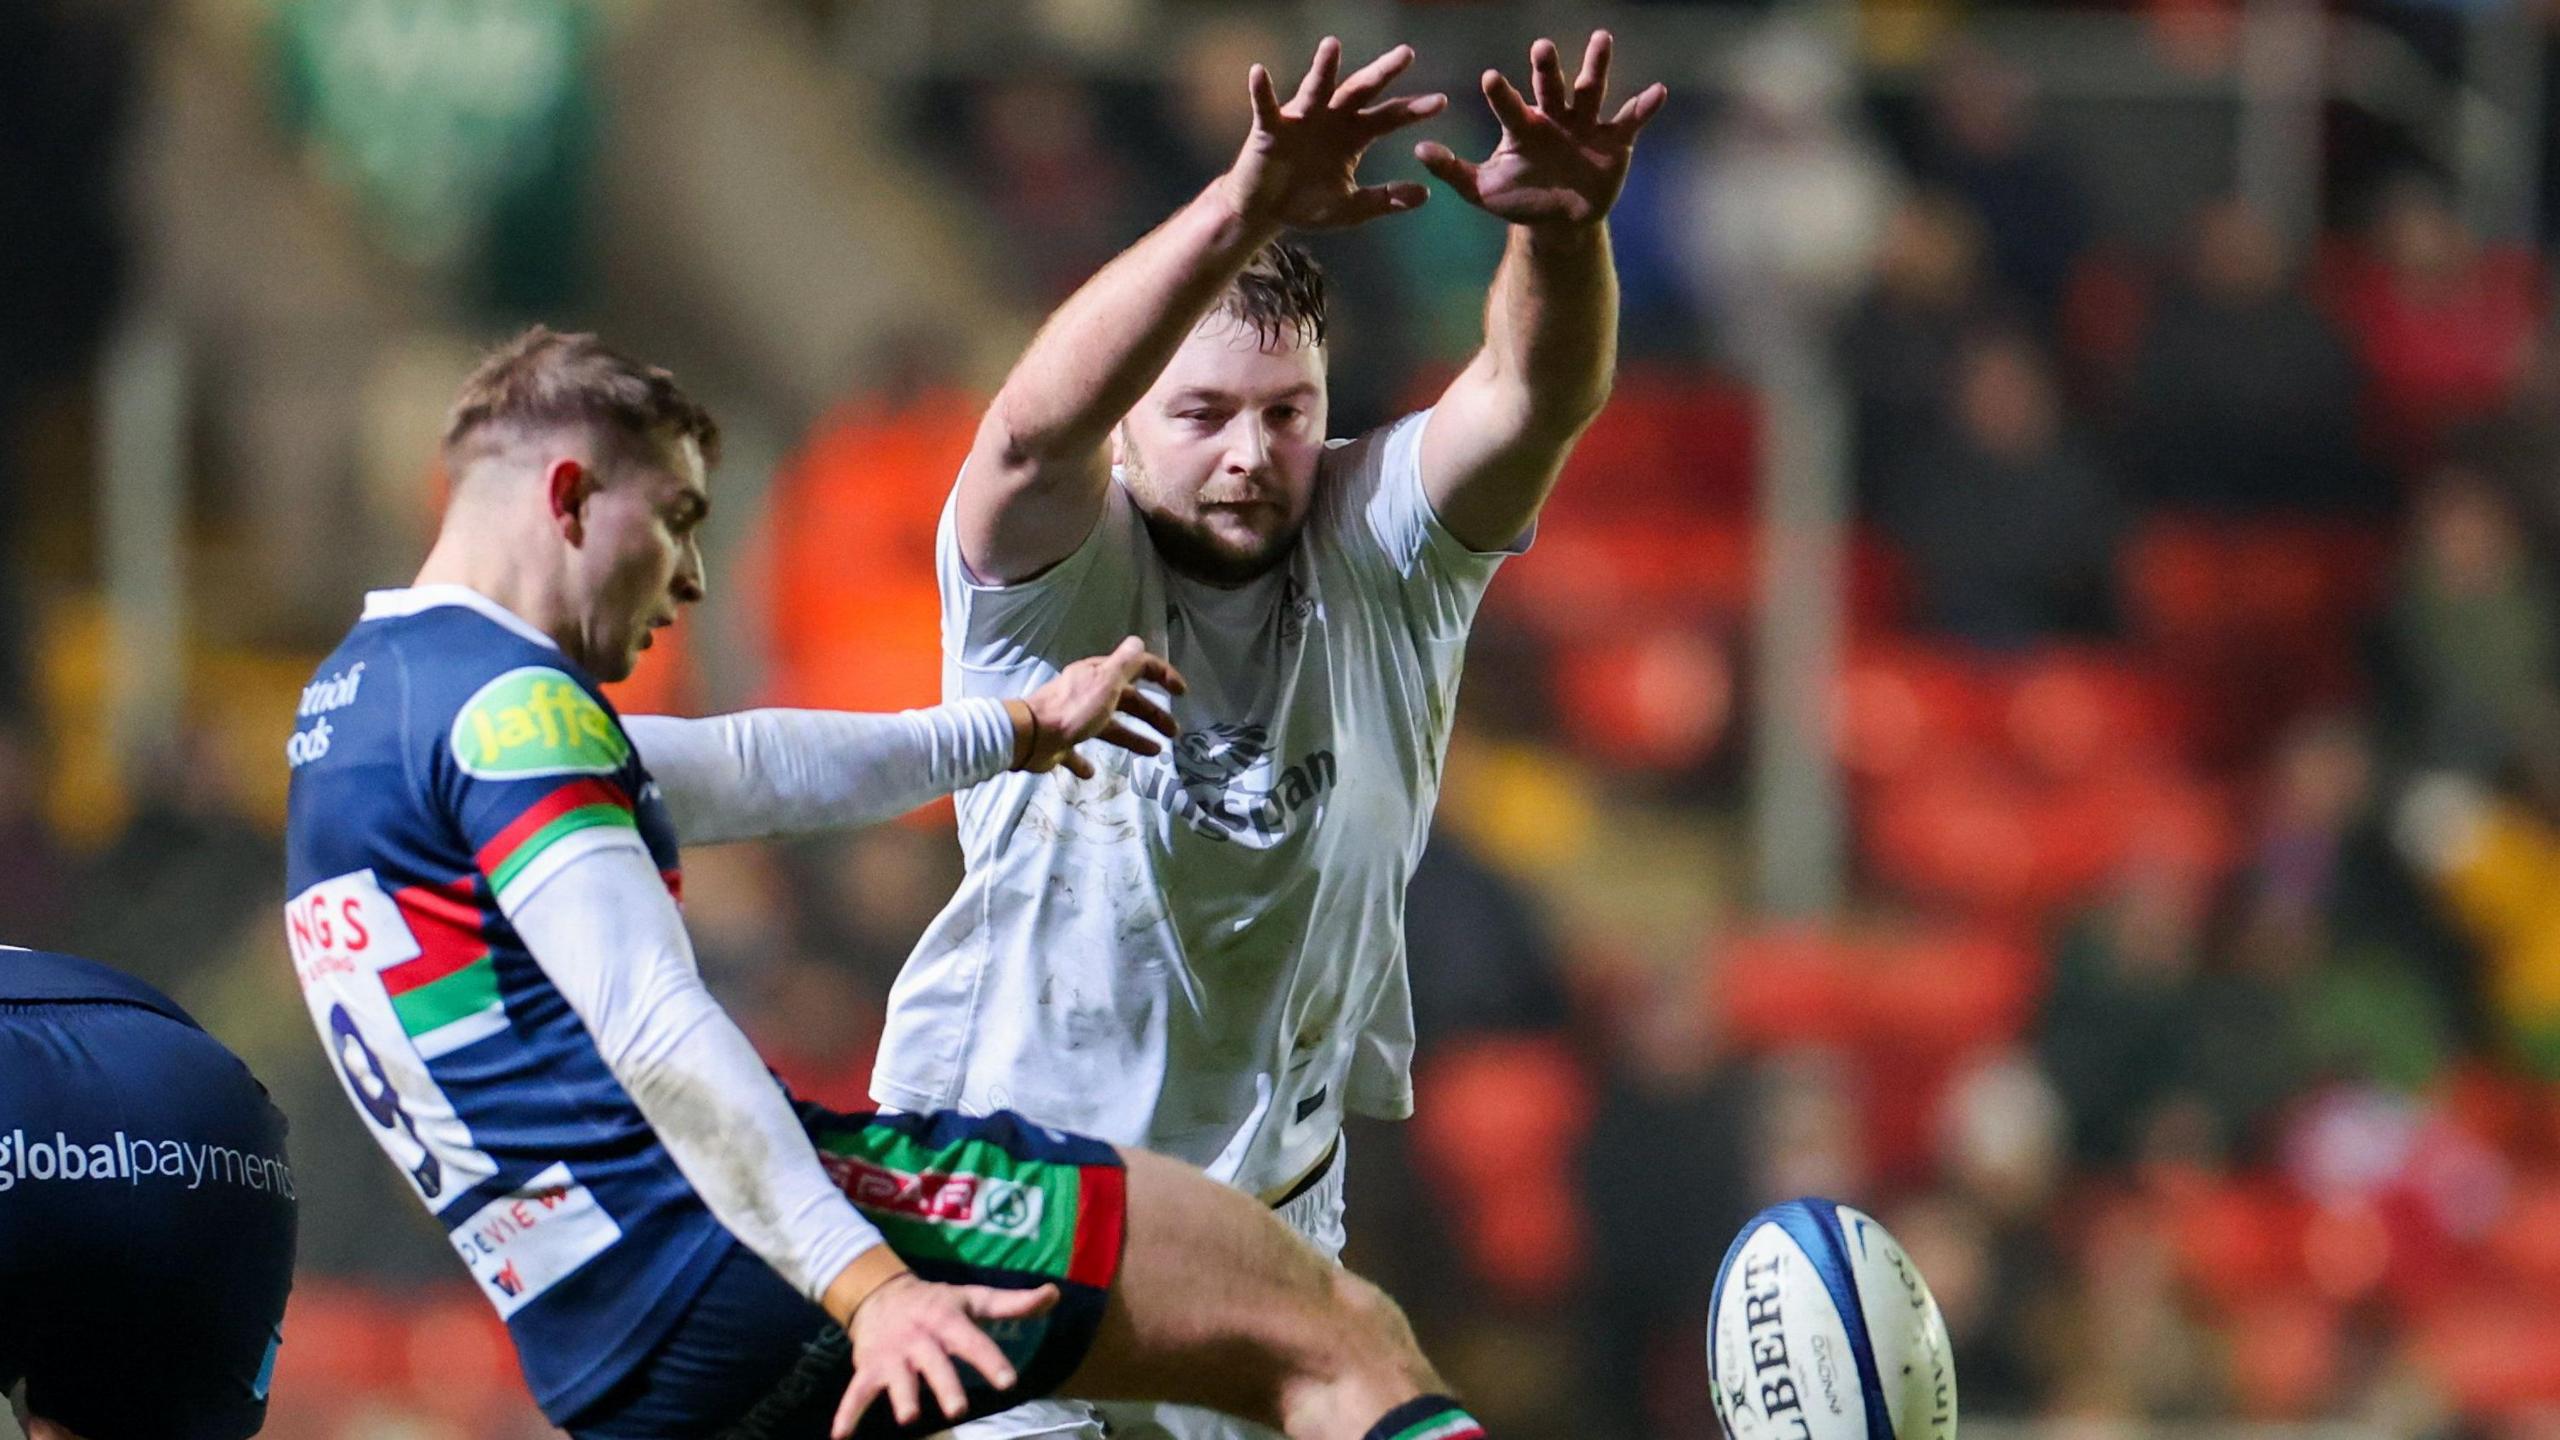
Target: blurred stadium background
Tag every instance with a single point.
(2037, 710)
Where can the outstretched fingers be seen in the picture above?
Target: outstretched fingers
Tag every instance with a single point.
(1507, 105)
(934, 1365)
(1136, 662)
(1137, 706)
(1592, 85)
(1371, 201)
(1365, 83)
(1127, 739)
(969, 1343)
(1317, 87)
(1266, 100)
(1639, 110)
(1459, 175)
(986, 1302)
(1404, 110)
(1546, 79)
(857, 1398)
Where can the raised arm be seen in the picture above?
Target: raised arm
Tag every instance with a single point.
(1035, 480)
(1495, 444)
(760, 774)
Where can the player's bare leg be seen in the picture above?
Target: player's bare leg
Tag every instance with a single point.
(1218, 1304)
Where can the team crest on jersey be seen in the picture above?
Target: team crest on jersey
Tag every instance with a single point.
(1214, 757)
(535, 721)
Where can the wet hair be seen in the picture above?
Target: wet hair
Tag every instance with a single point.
(1280, 296)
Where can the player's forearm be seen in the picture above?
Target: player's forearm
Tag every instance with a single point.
(1551, 326)
(609, 938)
(1506, 424)
(1101, 350)
(764, 773)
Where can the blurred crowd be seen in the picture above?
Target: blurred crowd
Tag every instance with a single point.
(2195, 1018)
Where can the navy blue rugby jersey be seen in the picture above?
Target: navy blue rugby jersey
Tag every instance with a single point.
(446, 754)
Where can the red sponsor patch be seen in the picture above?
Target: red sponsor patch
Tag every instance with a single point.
(948, 1199)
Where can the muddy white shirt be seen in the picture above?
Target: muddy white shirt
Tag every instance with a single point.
(1203, 952)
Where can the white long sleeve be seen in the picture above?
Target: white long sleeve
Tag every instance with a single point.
(761, 773)
(601, 925)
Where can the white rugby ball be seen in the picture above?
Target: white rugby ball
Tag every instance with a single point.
(1822, 1329)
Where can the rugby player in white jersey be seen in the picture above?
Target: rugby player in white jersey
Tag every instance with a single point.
(1203, 951)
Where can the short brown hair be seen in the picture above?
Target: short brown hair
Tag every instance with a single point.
(545, 377)
(1280, 295)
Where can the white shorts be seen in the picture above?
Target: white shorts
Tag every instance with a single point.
(1316, 1215)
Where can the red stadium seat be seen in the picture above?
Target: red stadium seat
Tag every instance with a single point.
(338, 1340)
(2071, 711)
(1905, 705)
(461, 1364)
(2489, 1351)
(1671, 445)
(2525, 1246)
(1592, 575)
(1946, 994)
(2259, 615)
(1961, 835)
(2284, 1357)
(1659, 699)
(2240, 1240)
(1786, 986)
(1495, 1127)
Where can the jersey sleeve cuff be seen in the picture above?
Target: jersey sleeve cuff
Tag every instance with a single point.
(987, 739)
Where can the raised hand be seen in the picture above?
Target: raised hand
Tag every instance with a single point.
(1094, 699)
(1560, 162)
(908, 1333)
(1300, 166)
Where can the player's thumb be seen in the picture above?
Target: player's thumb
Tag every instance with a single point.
(987, 1303)
(1452, 171)
(1129, 657)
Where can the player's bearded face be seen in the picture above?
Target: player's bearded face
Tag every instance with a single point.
(1221, 455)
(641, 562)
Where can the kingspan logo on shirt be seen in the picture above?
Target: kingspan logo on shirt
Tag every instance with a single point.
(535, 721)
(1231, 788)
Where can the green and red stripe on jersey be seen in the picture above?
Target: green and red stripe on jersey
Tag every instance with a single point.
(446, 996)
(582, 804)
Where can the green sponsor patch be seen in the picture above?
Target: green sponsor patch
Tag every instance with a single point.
(536, 721)
(969, 1204)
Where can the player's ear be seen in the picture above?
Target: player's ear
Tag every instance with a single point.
(568, 484)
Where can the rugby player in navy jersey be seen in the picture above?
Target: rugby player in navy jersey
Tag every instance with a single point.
(483, 867)
(146, 1213)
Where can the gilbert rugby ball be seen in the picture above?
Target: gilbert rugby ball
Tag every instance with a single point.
(1822, 1329)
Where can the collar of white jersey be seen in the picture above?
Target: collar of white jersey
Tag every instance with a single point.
(412, 599)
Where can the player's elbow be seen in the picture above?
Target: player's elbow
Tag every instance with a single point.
(1022, 451)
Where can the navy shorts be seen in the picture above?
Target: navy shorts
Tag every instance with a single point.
(146, 1224)
(964, 1200)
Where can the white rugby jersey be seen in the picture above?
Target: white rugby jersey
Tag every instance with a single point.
(1203, 952)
